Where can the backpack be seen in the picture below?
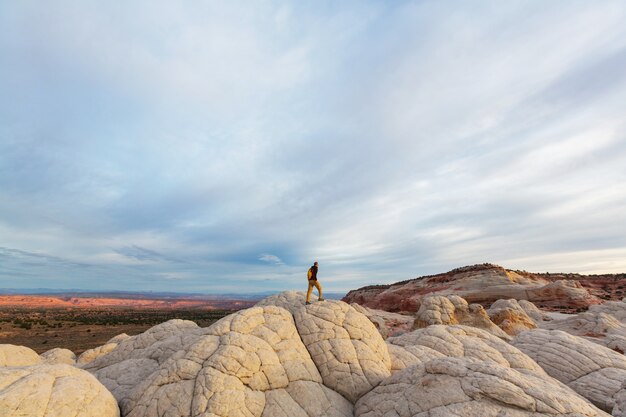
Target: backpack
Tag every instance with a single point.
(309, 274)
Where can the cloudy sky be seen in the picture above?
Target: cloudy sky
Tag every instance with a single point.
(224, 146)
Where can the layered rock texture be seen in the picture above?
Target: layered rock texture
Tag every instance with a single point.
(282, 358)
(482, 284)
(469, 387)
(593, 371)
(604, 324)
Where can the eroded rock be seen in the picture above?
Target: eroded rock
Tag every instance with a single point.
(595, 372)
(469, 387)
(12, 355)
(53, 391)
(58, 355)
(455, 310)
(349, 352)
(463, 342)
(388, 324)
(510, 316)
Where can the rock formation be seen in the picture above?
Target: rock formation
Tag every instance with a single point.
(53, 391)
(11, 355)
(511, 317)
(483, 284)
(283, 358)
(604, 324)
(593, 371)
(462, 342)
(388, 324)
(349, 352)
(57, 356)
(469, 387)
(452, 309)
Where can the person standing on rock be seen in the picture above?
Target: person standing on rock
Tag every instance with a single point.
(312, 276)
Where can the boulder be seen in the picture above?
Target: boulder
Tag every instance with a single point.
(533, 311)
(349, 352)
(53, 391)
(452, 309)
(595, 372)
(470, 387)
(12, 355)
(388, 324)
(58, 355)
(463, 342)
(251, 363)
(510, 316)
(137, 357)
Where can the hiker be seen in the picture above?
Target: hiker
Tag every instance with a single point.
(312, 276)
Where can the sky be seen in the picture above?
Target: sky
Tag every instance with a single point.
(224, 146)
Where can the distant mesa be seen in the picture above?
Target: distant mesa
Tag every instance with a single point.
(486, 283)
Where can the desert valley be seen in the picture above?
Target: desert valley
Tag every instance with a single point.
(475, 341)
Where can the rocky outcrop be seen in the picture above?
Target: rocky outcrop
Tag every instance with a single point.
(593, 371)
(463, 342)
(92, 354)
(510, 316)
(483, 284)
(454, 310)
(388, 324)
(11, 355)
(137, 357)
(347, 349)
(58, 356)
(604, 324)
(252, 363)
(469, 387)
(53, 391)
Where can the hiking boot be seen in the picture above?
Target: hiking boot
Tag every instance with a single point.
(320, 299)
(307, 303)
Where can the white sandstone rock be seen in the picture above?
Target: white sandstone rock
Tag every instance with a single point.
(471, 388)
(463, 341)
(251, 363)
(53, 391)
(58, 355)
(349, 352)
(12, 355)
(595, 372)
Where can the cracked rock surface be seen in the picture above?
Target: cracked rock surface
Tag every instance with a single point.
(53, 391)
(593, 371)
(349, 352)
(251, 363)
(468, 387)
(463, 342)
(12, 355)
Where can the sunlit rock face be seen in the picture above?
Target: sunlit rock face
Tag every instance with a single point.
(12, 355)
(53, 391)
